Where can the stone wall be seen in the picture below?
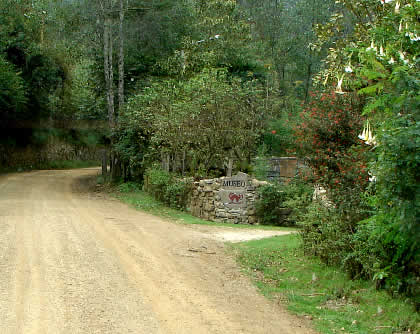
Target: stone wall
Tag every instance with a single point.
(226, 199)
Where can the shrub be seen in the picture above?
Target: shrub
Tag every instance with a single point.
(326, 234)
(156, 182)
(328, 138)
(387, 255)
(298, 197)
(387, 244)
(282, 204)
(128, 187)
(166, 188)
(279, 139)
(12, 88)
(177, 194)
(383, 65)
(269, 208)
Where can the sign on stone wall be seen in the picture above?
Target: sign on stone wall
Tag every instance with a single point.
(226, 199)
(233, 191)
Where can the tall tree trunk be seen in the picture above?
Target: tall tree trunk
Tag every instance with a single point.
(108, 68)
(309, 68)
(230, 165)
(117, 162)
(121, 59)
(183, 162)
(168, 162)
(308, 78)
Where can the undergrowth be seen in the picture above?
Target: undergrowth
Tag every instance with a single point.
(69, 164)
(131, 194)
(54, 164)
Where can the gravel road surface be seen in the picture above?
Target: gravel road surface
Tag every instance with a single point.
(74, 261)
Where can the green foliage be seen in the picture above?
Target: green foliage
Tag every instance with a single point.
(156, 182)
(283, 30)
(192, 119)
(83, 96)
(391, 235)
(298, 196)
(261, 165)
(131, 145)
(12, 88)
(381, 60)
(283, 204)
(219, 38)
(328, 235)
(177, 194)
(327, 138)
(31, 76)
(155, 35)
(21, 38)
(143, 201)
(167, 188)
(279, 140)
(269, 208)
(68, 164)
(197, 118)
(396, 171)
(387, 255)
(128, 187)
(386, 245)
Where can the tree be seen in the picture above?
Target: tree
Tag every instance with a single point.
(379, 61)
(121, 58)
(201, 122)
(12, 89)
(285, 30)
(23, 28)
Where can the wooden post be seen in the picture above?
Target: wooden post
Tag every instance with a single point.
(104, 162)
(230, 166)
(168, 162)
(183, 163)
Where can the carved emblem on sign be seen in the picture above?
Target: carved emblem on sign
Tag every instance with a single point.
(235, 197)
(233, 191)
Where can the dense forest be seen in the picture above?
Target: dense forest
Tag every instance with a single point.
(198, 87)
(68, 66)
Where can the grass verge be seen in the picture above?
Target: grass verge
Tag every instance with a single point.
(69, 164)
(55, 164)
(140, 200)
(308, 287)
(321, 293)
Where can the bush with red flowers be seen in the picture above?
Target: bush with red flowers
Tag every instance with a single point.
(327, 137)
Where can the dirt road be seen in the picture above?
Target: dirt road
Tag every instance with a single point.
(74, 262)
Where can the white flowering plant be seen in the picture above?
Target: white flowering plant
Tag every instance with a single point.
(386, 71)
(379, 60)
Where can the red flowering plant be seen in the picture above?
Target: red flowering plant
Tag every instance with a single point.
(327, 137)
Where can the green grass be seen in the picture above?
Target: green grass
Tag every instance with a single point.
(140, 200)
(4, 170)
(69, 164)
(55, 164)
(308, 287)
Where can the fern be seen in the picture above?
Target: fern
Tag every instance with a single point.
(377, 88)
